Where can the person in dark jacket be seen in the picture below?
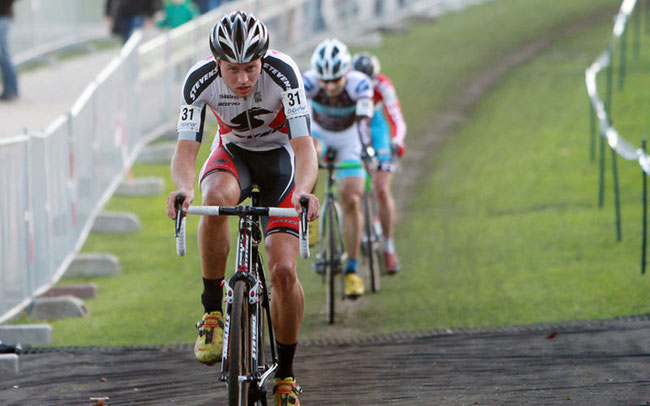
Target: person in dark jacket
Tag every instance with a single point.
(125, 16)
(7, 68)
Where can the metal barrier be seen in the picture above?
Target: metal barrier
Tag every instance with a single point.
(54, 184)
(601, 119)
(43, 26)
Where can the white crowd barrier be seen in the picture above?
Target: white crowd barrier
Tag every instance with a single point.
(606, 129)
(54, 184)
(43, 26)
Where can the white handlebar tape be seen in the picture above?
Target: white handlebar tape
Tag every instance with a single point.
(180, 240)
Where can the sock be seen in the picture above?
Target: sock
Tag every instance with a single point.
(212, 295)
(285, 360)
(351, 266)
(389, 245)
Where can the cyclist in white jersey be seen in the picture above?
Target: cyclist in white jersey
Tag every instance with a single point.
(341, 102)
(263, 139)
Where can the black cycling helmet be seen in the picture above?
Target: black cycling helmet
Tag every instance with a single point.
(366, 63)
(239, 37)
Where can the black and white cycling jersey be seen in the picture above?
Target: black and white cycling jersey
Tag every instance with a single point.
(276, 111)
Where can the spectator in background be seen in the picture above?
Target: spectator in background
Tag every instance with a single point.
(177, 13)
(207, 5)
(7, 68)
(125, 16)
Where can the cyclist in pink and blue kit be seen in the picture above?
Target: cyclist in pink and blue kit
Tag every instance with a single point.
(387, 130)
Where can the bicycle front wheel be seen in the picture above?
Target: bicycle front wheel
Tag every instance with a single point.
(239, 347)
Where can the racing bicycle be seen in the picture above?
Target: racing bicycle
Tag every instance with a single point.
(331, 250)
(246, 363)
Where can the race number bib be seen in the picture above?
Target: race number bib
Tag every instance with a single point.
(189, 119)
(295, 103)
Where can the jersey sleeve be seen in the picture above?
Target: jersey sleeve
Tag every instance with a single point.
(311, 82)
(393, 108)
(363, 94)
(285, 73)
(191, 119)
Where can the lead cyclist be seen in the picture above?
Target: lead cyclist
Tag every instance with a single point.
(387, 128)
(258, 97)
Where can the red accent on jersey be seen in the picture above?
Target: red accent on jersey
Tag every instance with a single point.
(385, 94)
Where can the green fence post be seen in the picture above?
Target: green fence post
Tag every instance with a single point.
(601, 173)
(623, 59)
(646, 8)
(637, 30)
(644, 226)
(592, 133)
(617, 197)
(608, 87)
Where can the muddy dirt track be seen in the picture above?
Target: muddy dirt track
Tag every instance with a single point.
(590, 363)
(579, 363)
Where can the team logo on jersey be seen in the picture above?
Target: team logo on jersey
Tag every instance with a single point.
(201, 79)
(363, 86)
(241, 121)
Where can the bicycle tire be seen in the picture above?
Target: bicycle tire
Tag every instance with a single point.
(330, 270)
(238, 349)
(370, 243)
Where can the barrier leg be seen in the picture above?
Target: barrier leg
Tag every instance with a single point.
(617, 197)
(644, 225)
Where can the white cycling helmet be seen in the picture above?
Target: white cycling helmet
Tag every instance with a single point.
(366, 63)
(331, 59)
(239, 37)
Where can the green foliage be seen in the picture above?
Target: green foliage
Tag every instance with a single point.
(504, 230)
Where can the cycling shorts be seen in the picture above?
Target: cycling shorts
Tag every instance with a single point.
(271, 171)
(347, 146)
(381, 142)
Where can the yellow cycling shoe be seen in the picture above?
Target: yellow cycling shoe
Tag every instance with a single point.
(353, 286)
(285, 392)
(207, 348)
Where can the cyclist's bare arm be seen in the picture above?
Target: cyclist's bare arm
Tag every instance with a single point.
(183, 171)
(306, 173)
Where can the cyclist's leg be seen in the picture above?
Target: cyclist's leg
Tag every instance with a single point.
(351, 188)
(273, 173)
(288, 298)
(382, 181)
(219, 186)
(287, 309)
(222, 179)
(351, 185)
(383, 177)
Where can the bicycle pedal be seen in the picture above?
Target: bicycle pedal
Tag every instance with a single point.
(320, 267)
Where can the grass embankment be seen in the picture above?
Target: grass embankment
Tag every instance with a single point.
(504, 231)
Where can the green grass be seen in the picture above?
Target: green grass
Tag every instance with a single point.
(505, 230)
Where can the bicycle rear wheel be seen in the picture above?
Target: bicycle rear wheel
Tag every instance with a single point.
(330, 269)
(239, 347)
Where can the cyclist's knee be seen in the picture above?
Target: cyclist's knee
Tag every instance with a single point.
(382, 192)
(216, 196)
(283, 276)
(351, 201)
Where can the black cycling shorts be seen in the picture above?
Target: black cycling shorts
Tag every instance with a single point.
(271, 171)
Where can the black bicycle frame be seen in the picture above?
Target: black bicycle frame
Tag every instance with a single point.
(249, 269)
